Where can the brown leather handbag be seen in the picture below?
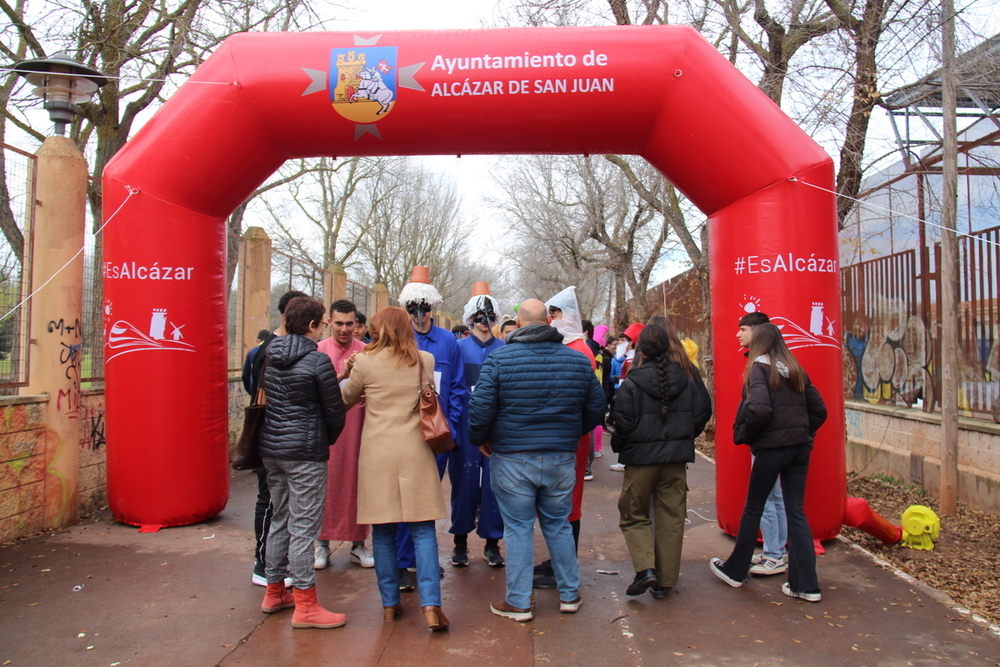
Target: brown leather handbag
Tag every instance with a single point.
(433, 423)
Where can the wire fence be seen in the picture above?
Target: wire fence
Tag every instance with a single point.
(92, 363)
(361, 296)
(17, 199)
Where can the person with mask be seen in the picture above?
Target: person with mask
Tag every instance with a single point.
(469, 470)
(419, 298)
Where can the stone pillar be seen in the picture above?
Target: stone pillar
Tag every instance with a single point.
(381, 298)
(56, 310)
(255, 283)
(336, 277)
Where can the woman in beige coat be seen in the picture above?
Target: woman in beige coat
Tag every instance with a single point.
(397, 475)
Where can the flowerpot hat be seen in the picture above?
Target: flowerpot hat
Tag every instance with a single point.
(481, 302)
(419, 289)
(633, 331)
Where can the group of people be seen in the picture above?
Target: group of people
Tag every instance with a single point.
(342, 448)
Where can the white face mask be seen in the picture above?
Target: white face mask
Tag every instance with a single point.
(620, 349)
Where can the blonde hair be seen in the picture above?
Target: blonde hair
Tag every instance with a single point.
(390, 330)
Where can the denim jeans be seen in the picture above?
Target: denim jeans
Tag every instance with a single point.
(527, 484)
(387, 567)
(773, 526)
(792, 464)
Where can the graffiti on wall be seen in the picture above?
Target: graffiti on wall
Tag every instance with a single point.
(70, 355)
(92, 427)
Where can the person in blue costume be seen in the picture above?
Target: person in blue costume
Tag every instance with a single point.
(468, 468)
(419, 298)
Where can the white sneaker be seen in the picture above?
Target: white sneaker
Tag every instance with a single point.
(618, 467)
(768, 566)
(362, 556)
(808, 596)
(322, 558)
(598, 453)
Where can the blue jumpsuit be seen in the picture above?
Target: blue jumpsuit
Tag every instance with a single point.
(443, 347)
(468, 468)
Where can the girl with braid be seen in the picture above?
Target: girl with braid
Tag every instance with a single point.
(660, 409)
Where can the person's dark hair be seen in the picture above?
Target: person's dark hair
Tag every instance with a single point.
(654, 347)
(286, 297)
(343, 306)
(767, 340)
(262, 335)
(507, 323)
(360, 317)
(588, 328)
(677, 351)
(754, 319)
(459, 329)
(301, 312)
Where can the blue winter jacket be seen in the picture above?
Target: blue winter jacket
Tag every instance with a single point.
(535, 395)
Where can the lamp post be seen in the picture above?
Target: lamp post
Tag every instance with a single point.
(56, 307)
(62, 83)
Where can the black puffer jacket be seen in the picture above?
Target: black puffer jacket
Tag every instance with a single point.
(771, 418)
(642, 436)
(305, 412)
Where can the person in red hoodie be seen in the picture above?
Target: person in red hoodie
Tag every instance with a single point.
(564, 312)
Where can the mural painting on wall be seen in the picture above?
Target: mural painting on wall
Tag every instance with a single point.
(889, 360)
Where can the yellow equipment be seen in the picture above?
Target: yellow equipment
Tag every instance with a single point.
(921, 527)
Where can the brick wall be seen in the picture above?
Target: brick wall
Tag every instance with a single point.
(906, 443)
(22, 425)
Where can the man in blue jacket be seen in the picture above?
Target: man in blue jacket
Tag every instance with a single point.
(534, 400)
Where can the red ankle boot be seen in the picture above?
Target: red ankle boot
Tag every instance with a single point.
(309, 613)
(277, 598)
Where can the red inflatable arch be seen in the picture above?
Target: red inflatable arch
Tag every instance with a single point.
(660, 92)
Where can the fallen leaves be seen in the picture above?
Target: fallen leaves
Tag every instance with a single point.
(965, 559)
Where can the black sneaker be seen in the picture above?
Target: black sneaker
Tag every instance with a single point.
(543, 581)
(543, 569)
(460, 556)
(492, 556)
(405, 580)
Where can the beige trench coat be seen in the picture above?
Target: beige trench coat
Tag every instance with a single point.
(397, 473)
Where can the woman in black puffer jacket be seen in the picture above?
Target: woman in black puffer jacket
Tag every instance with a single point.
(659, 410)
(778, 417)
(304, 416)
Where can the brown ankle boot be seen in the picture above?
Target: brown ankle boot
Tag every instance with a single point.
(277, 598)
(309, 613)
(436, 620)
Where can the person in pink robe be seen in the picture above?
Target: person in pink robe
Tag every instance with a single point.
(341, 509)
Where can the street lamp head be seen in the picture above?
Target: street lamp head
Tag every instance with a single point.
(62, 83)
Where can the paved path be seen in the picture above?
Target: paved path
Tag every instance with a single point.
(102, 594)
